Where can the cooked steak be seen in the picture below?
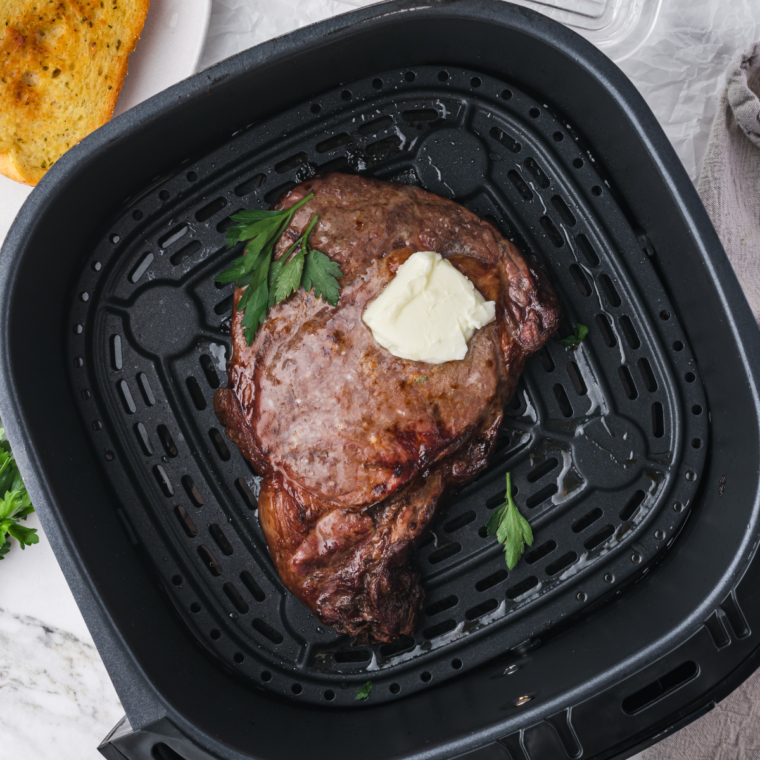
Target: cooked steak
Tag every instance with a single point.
(356, 446)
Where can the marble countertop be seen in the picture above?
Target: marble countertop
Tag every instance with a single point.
(56, 700)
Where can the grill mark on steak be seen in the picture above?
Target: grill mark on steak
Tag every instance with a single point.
(355, 452)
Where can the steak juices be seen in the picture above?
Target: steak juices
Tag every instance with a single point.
(356, 446)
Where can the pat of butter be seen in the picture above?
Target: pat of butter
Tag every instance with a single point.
(428, 312)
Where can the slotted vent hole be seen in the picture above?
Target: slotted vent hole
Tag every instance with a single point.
(599, 537)
(532, 166)
(587, 250)
(236, 598)
(605, 328)
(165, 436)
(444, 553)
(173, 236)
(631, 336)
(185, 252)
(254, 183)
(546, 359)
(404, 644)
(562, 209)
(513, 592)
(291, 162)
(629, 510)
(375, 126)
(647, 375)
(267, 631)
(196, 394)
(147, 391)
(333, 142)
(163, 480)
(580, 280)
(498, 499)
(209, 560)
(481, 609)
(219, 444)
(116, 360)
(508, 142)
(587, 520)
(253, 588)
(561, 564)
(186, 521)
(274, 195)
(540, 552)
(554, 234)
(492, 580)
(520, 184)
(539, 498)
(420, 114)
(192, 491)
(624, 373)
(577, 379)
(220, 539)
(441, 606)
(439, 629)
(657, 689)
(245, 491)
(210, 209)
(347, 656)
(126, 397)
(563, 401)
(142, 437)
(141, 267)
(224, 306)
(459, 522)
(390, 144)
(163, 751)
(543, 469)
(209, 370)
(610, 290)
(658, 420)
(336, 165)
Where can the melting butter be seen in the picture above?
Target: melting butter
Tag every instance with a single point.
(428, 312)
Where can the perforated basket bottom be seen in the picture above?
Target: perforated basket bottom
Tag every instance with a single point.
(605, 443)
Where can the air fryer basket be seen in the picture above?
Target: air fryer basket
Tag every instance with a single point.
(634, 456)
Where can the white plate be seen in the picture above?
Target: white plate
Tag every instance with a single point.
(168, 51)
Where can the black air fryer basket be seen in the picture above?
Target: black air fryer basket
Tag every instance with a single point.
(635, 456)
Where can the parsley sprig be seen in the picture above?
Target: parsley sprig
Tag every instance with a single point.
(575, 338)
(15, 504)
(268, 282)
(510, 528)
(363, 692)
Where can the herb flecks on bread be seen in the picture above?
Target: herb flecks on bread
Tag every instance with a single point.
(62, 66)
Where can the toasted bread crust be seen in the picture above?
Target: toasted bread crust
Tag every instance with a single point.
(62, 67)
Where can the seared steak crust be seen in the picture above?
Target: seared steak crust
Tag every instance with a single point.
(356, 446)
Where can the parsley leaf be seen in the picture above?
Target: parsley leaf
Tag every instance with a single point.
(267, 282)
(321, 273)
(510, 528)
(15, 504)
(363, 691)
(575, 338)
(289, 277)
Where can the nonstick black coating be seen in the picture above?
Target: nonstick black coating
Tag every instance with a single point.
(605, 442)
(594, 666)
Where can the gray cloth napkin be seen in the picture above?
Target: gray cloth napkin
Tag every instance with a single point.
(730, 181)
(730, 190)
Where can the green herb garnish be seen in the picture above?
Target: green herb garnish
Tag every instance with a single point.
(422, 379)
(510, 528)
(575, 338)
(15, 504)
(268, 282)
(364, 691)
